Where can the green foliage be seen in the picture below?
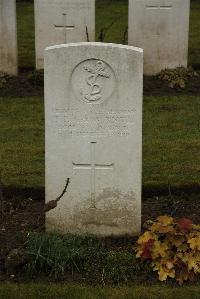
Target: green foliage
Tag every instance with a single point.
(173, 247)
(178, 77)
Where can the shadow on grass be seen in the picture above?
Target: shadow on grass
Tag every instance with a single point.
(34, 193)
(152, 190)
(147, 191)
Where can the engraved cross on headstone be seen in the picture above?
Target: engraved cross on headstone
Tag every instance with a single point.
(93, 167)
(64, 27)
(158, 8)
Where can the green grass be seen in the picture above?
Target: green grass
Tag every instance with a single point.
(194, 37)
(76, 291)
(108, 12)
(26, 34)
(22, 142)
(81, 258)
(171, 142)
(112, 16)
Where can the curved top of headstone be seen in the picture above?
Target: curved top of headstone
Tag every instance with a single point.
(95, 44)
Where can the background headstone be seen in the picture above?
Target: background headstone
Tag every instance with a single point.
(161, 28)
(8, 37)
(62, 21)
(93, 100)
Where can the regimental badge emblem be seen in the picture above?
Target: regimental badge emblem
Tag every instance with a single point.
(93, 81)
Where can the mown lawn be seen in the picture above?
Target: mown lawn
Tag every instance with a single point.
(76, 291)
(171, 142)
(112, 16)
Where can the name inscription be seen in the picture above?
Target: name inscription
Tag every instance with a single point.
(109, 123)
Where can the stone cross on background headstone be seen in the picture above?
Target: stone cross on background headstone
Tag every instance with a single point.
(62, 21)
(65, 27)
(161, 28)
(159, 9)
(8, 37)
(93, 128)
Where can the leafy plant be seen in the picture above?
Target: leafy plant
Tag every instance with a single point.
(172, 247)
(178, 77)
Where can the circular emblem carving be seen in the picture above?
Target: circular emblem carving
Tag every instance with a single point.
(93, 81)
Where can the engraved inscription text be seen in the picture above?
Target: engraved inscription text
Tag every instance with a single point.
(108, 123)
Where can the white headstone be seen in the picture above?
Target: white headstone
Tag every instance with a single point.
(8, 37)
(93, 100)
(161, 28)
(62, 21)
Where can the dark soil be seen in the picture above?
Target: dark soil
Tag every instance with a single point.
(31, 83)
(27, 83)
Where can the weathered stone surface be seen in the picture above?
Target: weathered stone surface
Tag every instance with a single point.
(93, 111)
(62, 21)
(8, 37)
(161, 28)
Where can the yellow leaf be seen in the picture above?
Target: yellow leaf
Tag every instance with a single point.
(196, 227)
(193, 261)
(162, 229)
(165, 220)
(146, 237)
(165, 270)
(194, 243)
(163, 225)
(159, 249)
(139, 252)
(194, 234)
